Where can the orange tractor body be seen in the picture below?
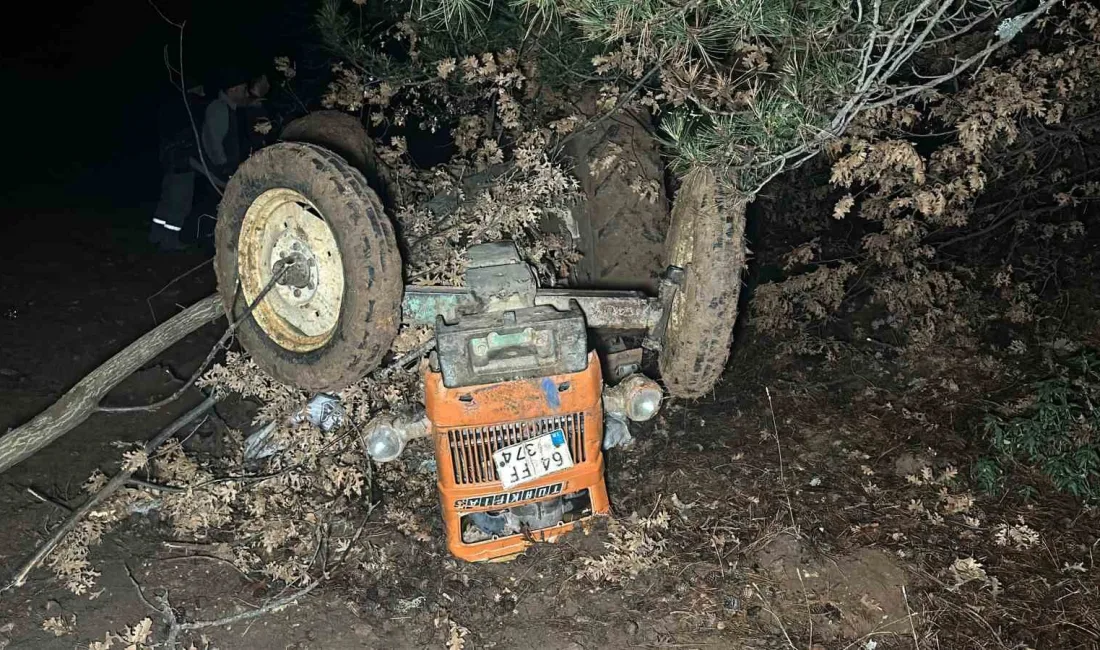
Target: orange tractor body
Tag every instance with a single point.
(484, 519)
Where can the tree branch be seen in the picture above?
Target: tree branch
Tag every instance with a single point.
(80, 402)
(112, 486)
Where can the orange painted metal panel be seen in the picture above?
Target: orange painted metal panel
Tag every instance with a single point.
(470, 423)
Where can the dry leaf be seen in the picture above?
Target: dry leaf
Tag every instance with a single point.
(966, 570)
(59, 626)
(843, 206)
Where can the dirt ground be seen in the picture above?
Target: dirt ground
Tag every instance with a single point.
(802, 505)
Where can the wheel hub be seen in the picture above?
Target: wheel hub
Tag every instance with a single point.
(284, 236)
(298, 274)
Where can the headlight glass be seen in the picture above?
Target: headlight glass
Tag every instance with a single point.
(385, 442)
(644, 402)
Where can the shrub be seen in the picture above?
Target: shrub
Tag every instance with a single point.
(1055, 429)
(958, 209)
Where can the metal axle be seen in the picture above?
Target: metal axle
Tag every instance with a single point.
(614, 310)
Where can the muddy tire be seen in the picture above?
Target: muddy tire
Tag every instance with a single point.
(329, 322)
(706, 238)
(345, 136)
(620, 231)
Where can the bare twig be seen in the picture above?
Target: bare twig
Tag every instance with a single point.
(775, 429)
(107, 490)
(48, 499)
(203, 556)
(137, 587)
(627, 96)
(182, 86)
(156, 487)
(912, 623)
(779, 449)
(1024, 20)
(148, 301)
(164, 17)
(182, 389)
(869, 93)
(806, 599)
(229, 331)
(175, 627)
(766, 607)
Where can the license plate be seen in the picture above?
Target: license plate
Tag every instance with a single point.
(532, 459)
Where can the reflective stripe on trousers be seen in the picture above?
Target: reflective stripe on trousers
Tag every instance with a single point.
(162, 222)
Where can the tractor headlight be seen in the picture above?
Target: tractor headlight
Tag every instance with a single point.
(644, 403)
(386, 435)
(385, 442)
(637, 397)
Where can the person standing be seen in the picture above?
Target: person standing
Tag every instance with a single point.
(177, 185)
(221, 128)
(223, 148)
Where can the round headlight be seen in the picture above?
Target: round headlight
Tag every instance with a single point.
(644, 402)
(637, 397)
(384, 442)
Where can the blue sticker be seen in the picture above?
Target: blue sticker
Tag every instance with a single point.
(550, 390)
(557, 437)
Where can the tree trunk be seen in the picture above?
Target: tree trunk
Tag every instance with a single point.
(81, 401)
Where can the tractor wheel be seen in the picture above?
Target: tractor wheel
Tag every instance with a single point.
(345, 136)
(332, 314)
(707, 239)
(622, 220)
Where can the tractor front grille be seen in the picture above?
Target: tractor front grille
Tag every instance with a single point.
(472, 449)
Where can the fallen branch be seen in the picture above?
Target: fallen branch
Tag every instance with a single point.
(321, 565)
(222, 343)
(182, 389)
(82, 400)
(176, 626)
(112, 486)
(629, 95)
(168, 614)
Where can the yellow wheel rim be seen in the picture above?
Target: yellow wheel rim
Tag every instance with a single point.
(301, 311)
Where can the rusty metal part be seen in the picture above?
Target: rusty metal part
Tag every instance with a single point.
(612, 310)
(295, 271)
(620, 364)
(498, 279)
(671, 282)
(509, 345)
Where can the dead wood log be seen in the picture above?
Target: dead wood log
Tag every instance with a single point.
(82, 400)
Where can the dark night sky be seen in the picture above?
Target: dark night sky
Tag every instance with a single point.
(82, 86)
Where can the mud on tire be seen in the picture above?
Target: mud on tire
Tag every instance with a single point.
(706, 239)
(621, 232)
(368, 313)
